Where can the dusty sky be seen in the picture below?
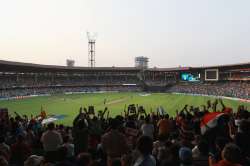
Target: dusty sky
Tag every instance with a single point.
(169, 32)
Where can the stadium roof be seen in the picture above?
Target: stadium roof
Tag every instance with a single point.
(247, 64)
(19, 66)
(8, 66)
(169, 69)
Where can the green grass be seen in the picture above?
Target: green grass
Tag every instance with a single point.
(56, 105)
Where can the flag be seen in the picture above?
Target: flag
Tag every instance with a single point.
(43, 113)
(209, 121)
(161, 110)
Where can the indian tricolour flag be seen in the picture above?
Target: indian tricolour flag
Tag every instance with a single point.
(209, 121)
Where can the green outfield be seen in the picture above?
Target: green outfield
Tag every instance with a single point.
(69, 105)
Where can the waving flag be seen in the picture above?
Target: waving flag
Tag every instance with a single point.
(209, 121)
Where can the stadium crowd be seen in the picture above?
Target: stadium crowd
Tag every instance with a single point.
(24, 92)
(230, 89)
(134, 138)
(29, 81)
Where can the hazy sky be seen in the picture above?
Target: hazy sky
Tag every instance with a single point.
(169, 32)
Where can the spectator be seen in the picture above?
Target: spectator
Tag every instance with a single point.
(51, 140)
(80, 133)
(242, 138)
(185, 155)
(114, 142)
(20, 151)
(231, 156)
(4, 148)
(69, 146)
(171, 156)
(220, 143)
(145, 147)
(147, 128)
(30, 136)
(84, 159)
(164, 125)
(200, 153)
(159, 146)
(62, 159)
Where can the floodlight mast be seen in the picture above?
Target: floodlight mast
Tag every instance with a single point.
(91, 49)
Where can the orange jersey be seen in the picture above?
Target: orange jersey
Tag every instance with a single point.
(163, 126)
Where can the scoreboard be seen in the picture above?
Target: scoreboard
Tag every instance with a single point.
(211, 75)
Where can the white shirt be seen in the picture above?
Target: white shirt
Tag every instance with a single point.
(71, 149)
(51, 140)
(148, 161)
(147, 130)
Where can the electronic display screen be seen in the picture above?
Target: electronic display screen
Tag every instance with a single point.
(190, 77)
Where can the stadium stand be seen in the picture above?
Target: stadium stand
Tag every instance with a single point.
(231, 89)
(21, 79)
(194, 137)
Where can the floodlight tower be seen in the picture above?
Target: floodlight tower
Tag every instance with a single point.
(91, 49)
